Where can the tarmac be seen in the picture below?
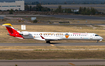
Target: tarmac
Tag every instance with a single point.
(63, 16)
(52, 44)
(52, 62)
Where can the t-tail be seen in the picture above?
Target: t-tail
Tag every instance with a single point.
(12, 32)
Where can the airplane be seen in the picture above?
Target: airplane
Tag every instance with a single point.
(51, 36)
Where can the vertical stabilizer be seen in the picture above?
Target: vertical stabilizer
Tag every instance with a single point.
(12, 31)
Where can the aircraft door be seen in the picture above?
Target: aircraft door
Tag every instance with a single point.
(91, 37)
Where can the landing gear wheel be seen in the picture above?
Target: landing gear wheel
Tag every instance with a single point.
(97, 41)
(47, 41)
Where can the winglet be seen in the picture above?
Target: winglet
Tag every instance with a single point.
(7, 24)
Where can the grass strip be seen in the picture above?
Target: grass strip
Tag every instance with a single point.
(54, 47)
(87, 54)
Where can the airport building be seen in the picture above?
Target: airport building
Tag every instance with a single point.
(17, 5)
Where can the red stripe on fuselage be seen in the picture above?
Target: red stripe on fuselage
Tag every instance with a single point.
(42, 37)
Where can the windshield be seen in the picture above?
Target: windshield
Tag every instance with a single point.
(96, 35)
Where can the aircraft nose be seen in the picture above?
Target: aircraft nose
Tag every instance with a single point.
(101, 38)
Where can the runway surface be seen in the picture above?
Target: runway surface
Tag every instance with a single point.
(51, 62)
(78, 17)
(64, 16)
(53, 44)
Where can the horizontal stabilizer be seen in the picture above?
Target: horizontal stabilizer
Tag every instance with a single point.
(7, 24)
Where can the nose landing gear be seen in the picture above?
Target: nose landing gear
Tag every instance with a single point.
(97, 41)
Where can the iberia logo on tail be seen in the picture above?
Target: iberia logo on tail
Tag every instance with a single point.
(12, 31)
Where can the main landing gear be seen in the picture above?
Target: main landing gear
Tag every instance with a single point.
(48, 42)
(97, 41)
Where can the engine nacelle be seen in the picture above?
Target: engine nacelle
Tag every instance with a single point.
(24, 33)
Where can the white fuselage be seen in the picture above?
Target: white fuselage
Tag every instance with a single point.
(51, 36)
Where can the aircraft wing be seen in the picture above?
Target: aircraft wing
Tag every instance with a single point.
(50, 39)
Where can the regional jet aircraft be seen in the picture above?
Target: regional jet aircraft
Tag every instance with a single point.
(51, 36)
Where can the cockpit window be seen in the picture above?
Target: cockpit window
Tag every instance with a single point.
(96, 35)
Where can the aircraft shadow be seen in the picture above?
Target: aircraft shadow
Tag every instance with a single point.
(54, 43)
